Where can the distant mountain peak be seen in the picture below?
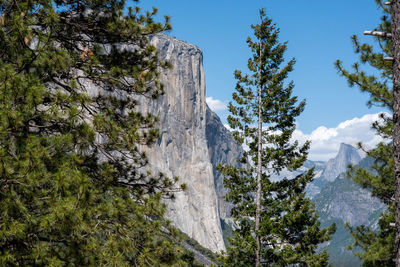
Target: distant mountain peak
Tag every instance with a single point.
(347, 155)
(344, 146)
(347, 147)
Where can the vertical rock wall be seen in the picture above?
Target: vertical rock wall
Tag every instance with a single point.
(347, 155)
(223, 149)
(182, 149)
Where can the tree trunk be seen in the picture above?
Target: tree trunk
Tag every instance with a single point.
(396, 116)
(259, 170)
(258, 199)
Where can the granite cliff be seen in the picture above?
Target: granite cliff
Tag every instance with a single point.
(223, 149)
(347, 155)
(182, 149)
(193, 142)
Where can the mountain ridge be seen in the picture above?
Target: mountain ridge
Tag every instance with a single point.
(342, 200)
(347, 155)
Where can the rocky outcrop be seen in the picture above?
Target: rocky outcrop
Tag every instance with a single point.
(222, 149)
(182, 149)
(343, 199)
(347, 155)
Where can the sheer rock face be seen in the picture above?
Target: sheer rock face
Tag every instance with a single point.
(182, 149)
(347, 155)
(223, 149)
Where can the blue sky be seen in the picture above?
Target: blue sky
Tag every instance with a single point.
(318, 33)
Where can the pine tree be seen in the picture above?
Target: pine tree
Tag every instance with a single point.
(276, 223)
(74, 188)
(378, 247)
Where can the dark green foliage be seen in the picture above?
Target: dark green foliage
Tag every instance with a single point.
(290, 231)
(378, 246)
(73, 185)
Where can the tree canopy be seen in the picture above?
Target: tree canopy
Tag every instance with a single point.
(74, 185)
(378, 246)
(289, 229)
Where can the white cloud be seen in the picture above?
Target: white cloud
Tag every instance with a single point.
(325, 141)
(215, 104)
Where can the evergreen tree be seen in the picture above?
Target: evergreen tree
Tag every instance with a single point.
(74, 189)
(276, 213)
(378, 247)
